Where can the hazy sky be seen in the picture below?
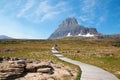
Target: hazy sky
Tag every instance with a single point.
(39, 18)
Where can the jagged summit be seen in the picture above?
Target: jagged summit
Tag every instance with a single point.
(70, 27)
(69, 22)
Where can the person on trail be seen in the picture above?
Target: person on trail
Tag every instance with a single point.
(55, 47)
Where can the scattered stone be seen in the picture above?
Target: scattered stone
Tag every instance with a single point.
(50, 79)
(77, 51)
(24, 69)
(118, 72)
(9, 50)
(1, 59)
(45, 70)
(30, 68)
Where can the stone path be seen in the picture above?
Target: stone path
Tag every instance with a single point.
(89, 72)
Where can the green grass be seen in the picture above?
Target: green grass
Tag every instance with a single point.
(32, 49)
(104, 53)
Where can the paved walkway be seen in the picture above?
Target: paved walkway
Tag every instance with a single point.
(89, 72)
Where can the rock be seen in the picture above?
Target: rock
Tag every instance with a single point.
(77, 51)
(20, 62)
(6, 70)
(11, 73)
(51, 61)
(39, 67)
(6, 58)
(3, 76)
(11, 62)
(17, 64)
(1, 59)
(23, 69)
(28, 61)
(12, 69)
(67, 73)
(45, 70)
(30, 68)
(117, 72)
(14, 58)
(50, 79)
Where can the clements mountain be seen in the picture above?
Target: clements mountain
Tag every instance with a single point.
(70, 27)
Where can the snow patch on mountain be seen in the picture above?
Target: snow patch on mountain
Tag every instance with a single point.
(87, 35)
(69, 35)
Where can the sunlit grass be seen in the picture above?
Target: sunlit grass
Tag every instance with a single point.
(102, 53)
(32, 49)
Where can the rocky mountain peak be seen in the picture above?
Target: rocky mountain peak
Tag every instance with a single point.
(70, 27)
(69, 22)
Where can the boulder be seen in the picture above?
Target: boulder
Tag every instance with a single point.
(1, 59)
(30, 68)
(11, 73)
(45, 70)
(12, 69)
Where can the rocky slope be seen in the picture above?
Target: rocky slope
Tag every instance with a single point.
(70, 27)
(27, 69)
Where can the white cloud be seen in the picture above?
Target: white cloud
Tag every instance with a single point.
(43, 7)
(38, 11)
(49, 16)
(83, 18)
(88, 6)
(93, 12)
(47, 11)
(88, 10)
(101, 20)
(42, 10)
(29, 4)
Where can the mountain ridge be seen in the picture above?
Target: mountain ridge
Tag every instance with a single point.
(70, 26)
(5, 37)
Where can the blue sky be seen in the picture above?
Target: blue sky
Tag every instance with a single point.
(39, 18)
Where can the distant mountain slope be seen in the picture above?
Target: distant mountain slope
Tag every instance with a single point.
(114, 36)
(70, 27)
(4, 37)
